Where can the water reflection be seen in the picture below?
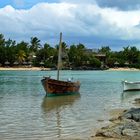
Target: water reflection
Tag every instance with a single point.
(56, 113)
(129, 94)
(53, 103)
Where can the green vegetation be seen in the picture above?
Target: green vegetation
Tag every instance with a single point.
(74, 56)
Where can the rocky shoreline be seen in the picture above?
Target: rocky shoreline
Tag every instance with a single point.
(124, 127)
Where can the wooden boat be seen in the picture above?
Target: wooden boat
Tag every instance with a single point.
(59, 87)
(131, 86)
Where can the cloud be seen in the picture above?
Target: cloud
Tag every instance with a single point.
(85, 23)
(125, 5)
(80, 1)
(120, 4)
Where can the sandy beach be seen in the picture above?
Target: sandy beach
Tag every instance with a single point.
(40, 68)
(123, 69)
(23, 68)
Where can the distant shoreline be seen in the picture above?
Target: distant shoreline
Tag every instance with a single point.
(123, 69)
(23, 68)
(40, 68)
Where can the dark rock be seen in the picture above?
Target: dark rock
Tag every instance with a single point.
(128, 127)
(123, 129)
(137, 101)
(133, 113)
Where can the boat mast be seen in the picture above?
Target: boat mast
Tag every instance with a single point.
(59, 56)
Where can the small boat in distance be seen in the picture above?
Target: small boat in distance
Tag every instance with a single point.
(58, 87)
(131, 86)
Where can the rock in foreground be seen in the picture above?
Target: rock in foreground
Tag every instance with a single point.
(126, 126)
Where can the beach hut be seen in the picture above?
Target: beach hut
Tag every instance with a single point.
(30, 64)
(126, 63)
(24, 63)
(41, 63)
(7, 63)
(15, 63)
(116, 64)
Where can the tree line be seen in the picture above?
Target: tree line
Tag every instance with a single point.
(74, 56)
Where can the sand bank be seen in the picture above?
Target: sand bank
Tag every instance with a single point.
(123, 69)
(39, 68)
(23, 68)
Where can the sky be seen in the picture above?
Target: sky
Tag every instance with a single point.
(94, 23)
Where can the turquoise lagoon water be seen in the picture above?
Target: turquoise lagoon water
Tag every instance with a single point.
(26, 114)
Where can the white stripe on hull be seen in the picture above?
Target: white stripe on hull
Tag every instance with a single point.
(128, 86)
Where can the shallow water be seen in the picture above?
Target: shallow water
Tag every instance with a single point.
(26, 114)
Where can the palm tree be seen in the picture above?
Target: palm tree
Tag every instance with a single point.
(2, 49)
(2, 40)
(131, 54)
(105, 49)
(21, 56)
(35, 44)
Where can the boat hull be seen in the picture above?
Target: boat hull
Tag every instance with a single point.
(56, 87)
(131, 86)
